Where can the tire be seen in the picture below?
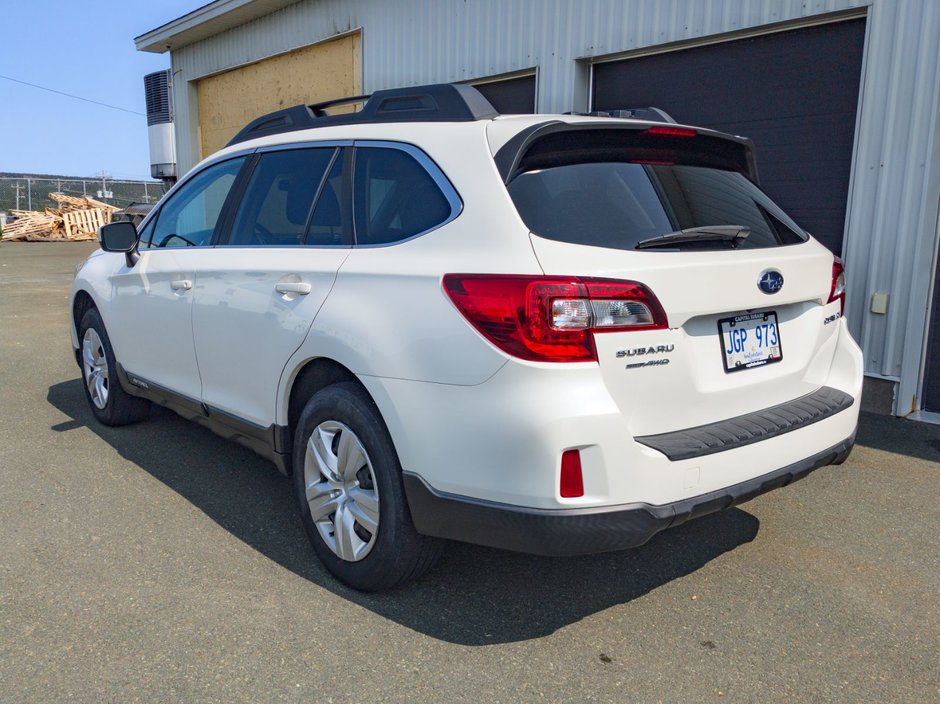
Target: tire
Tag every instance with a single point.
(356, 516)
(109, 402)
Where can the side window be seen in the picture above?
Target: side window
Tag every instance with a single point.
(326, 225)
(394, 197)
(147, 233)
(279, 197)
(189, 218)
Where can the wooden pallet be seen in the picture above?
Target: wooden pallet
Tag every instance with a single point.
(84, 224)
(29, 226)
(75, 218)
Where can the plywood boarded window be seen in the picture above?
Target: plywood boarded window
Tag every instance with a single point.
(230, 100)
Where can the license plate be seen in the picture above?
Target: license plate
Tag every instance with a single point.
(750, 340)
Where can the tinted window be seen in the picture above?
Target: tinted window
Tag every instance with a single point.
(279, 197)
(326, 225)
(617, 205)
(394, 197)
(189, 218)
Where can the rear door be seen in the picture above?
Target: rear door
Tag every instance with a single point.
(749, 318)
(258, 294)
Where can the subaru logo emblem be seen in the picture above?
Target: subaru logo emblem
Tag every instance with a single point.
(770, 281)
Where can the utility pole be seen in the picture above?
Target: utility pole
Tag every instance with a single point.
(18, 187)
(146, 194)
(29, 194)
(103, 193)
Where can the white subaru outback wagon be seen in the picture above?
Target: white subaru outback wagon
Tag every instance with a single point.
(551, 334)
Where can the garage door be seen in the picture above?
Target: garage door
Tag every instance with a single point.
(510, 96)
(230, 100)
(932, 372)
(795, 93)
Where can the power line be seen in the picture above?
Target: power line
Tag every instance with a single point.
(69, 95)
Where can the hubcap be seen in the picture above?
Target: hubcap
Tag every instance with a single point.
(341, 491)
(95, 365)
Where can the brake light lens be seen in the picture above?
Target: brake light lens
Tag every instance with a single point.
(672, 131)
(552, 319)
(837, 289)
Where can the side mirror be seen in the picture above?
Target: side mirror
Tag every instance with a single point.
(120, 237)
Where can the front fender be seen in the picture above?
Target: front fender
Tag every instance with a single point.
(93, 278)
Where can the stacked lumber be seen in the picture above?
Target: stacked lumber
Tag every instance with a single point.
(31, 226)
(74, 219)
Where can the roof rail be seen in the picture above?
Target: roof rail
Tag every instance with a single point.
(439, 102)
(649, 114)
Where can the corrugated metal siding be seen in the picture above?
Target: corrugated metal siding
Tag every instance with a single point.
(891, 229)
(892, 212)
(409, 42)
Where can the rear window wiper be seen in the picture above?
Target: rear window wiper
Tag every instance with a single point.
(735, 234)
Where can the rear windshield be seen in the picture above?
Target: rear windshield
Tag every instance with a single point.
(618, 204)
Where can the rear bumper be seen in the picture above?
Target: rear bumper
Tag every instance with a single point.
(578, 531)
(501, 442)
(751, 427)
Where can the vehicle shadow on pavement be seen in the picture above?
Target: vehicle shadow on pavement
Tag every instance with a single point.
(475, 596)
(899, 435)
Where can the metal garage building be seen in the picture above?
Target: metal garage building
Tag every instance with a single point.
(840, 96)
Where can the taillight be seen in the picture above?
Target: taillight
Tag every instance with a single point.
(550, 318)
(837, 289)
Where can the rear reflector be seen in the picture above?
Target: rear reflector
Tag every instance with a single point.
(552, 319)
(572, 482)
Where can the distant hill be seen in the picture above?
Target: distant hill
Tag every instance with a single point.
(13, 174)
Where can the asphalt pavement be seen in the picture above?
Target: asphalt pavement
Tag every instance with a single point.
(160, 563)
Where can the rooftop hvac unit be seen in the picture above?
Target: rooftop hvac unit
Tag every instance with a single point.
(159, 95)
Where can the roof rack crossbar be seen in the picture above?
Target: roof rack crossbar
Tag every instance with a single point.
(439, 102)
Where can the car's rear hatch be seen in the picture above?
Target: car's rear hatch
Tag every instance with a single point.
(745, 292)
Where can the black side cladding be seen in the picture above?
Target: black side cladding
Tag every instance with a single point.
(441, 102)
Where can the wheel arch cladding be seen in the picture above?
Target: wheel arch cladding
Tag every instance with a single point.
(316, 375)
(82, 303)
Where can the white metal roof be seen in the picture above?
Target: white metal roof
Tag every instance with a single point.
(206, 21)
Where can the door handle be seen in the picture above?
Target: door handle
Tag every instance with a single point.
(298, 287)
(181, 285)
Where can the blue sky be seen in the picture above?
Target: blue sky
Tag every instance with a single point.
(85, 48)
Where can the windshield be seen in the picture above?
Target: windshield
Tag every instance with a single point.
(619, 204)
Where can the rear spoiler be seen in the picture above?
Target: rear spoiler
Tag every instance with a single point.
(554, 143)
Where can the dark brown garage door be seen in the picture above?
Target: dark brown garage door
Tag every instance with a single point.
(932, 372)
(512, 96)
(794, 93)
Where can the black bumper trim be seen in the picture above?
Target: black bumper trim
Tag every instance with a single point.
(558, 532)
(751, 427)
